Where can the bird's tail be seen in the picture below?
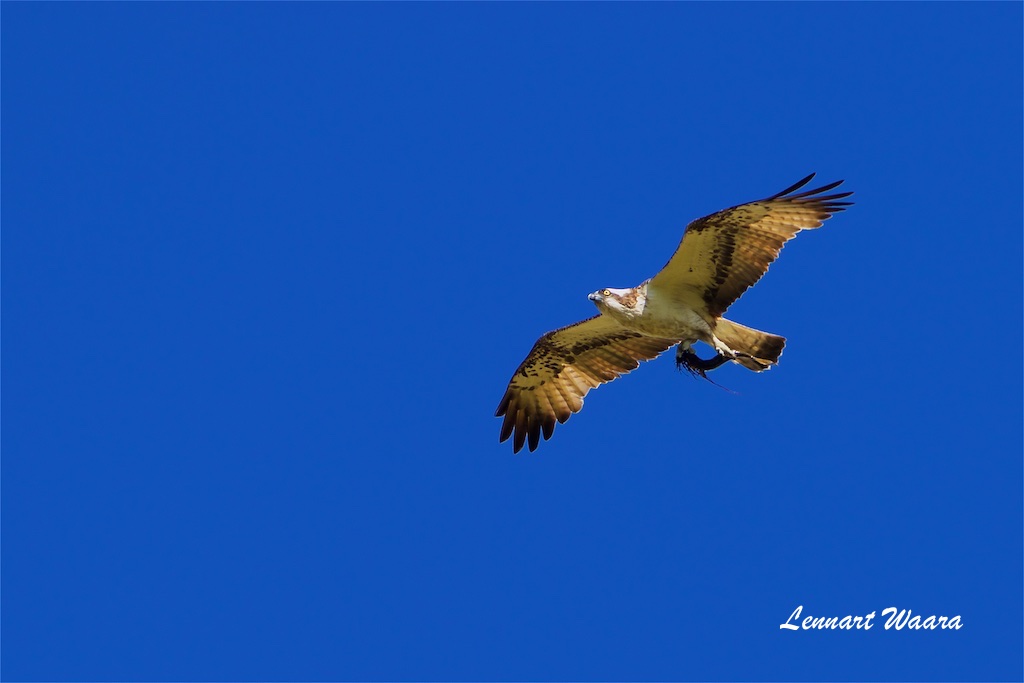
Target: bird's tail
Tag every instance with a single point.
(755, 350)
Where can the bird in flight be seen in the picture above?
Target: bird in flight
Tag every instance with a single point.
(719, 257)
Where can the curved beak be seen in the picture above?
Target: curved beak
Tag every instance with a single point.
(595, 297)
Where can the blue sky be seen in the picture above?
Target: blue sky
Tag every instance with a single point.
(267, 269)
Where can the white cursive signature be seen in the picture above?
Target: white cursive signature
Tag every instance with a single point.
(898, 620)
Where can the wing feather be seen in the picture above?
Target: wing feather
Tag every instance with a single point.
(562, 367)
(522, 422)
(572, 399)
(722, 255)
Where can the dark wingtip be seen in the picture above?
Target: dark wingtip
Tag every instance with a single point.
(817, 190)
(503, 406)
(792, 188)
(828, 203)
(533, 432)
(518, 440)
(506, 429)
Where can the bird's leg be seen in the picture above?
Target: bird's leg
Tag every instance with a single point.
(694, 364)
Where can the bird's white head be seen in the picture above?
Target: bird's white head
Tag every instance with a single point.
(619, 303)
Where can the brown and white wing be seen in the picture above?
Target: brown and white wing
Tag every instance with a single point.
(723, 254)
(562, 367)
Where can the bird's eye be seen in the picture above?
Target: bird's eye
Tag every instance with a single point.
(606, 292)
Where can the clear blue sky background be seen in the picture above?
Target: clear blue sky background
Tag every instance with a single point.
(267, 269)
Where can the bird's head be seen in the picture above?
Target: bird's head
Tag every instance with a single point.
(617, 302)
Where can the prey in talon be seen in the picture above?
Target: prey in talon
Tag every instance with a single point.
(687, 359)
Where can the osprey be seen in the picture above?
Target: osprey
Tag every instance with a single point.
(719, 257)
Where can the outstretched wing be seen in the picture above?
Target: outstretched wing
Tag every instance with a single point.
(723, 254)
(562, 367)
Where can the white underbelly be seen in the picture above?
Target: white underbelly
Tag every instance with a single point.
(671, 320)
